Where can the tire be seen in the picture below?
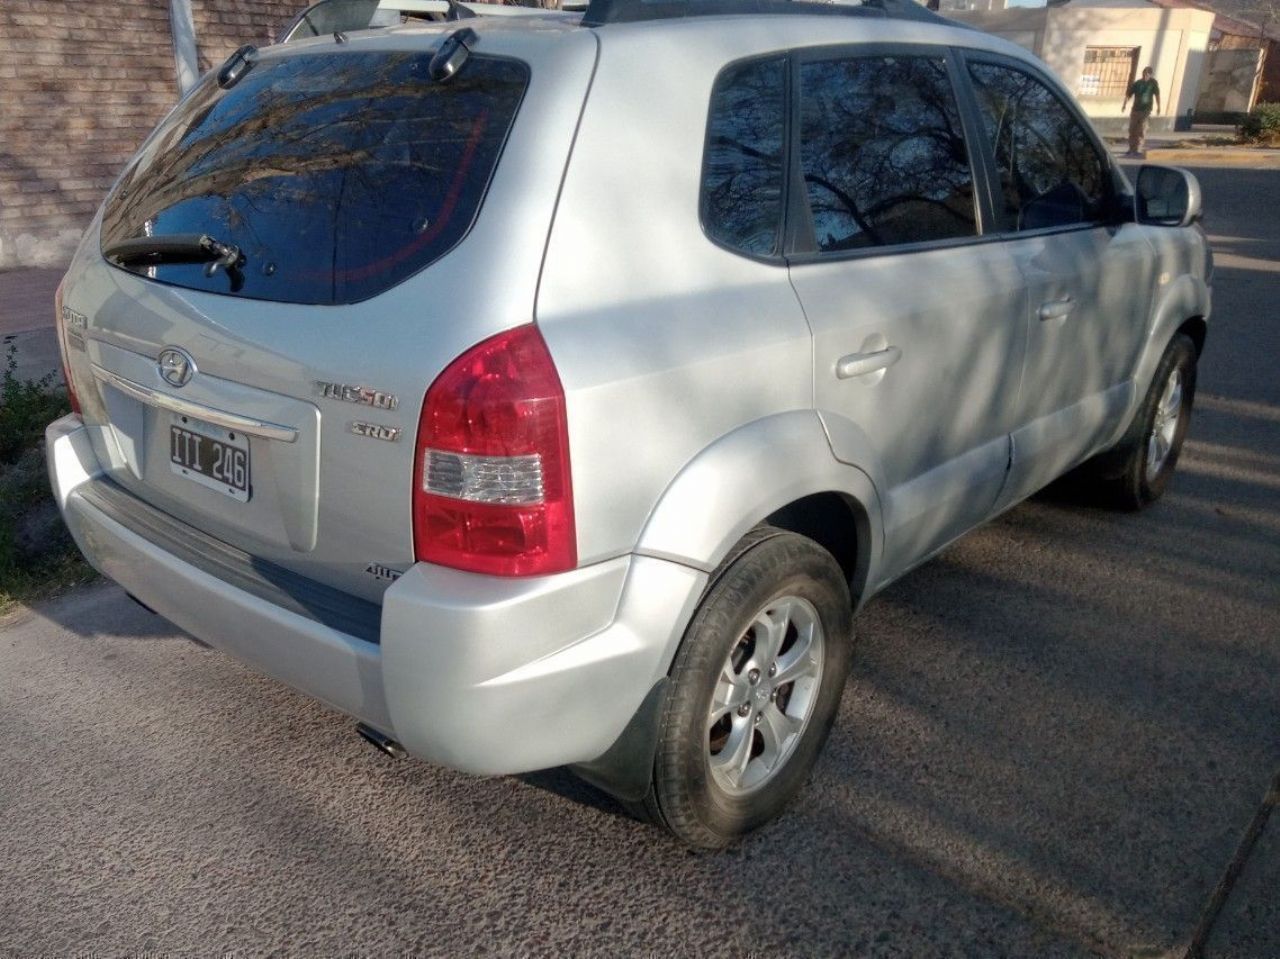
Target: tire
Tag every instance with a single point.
(717, 776)
(1135, 472)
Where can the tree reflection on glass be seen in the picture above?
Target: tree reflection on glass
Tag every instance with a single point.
(883, 153)
(337, 174)
(1050, 171)
(742, 175)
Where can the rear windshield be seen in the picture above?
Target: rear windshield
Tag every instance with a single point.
(337, 175)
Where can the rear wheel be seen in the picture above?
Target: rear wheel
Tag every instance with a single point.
(754, 690)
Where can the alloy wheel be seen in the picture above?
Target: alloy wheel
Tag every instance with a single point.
(764, 695)
(1164, 425)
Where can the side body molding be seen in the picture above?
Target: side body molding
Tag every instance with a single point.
(742, 478)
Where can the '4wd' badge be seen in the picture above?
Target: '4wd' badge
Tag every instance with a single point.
(388, 434)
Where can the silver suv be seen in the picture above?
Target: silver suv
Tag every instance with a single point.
(552, 390)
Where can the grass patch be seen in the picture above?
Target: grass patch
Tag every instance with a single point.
(1262, 125)
(37, 555)
(1210, 140)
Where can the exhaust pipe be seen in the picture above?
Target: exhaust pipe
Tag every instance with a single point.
(142, 604)
(381, 741)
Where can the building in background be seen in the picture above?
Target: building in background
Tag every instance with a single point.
(1242, 68)
(1098, 47)
(81, 85)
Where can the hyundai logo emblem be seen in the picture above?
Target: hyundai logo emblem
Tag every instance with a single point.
(176, 366)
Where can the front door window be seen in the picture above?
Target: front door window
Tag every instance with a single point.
(1050, 172)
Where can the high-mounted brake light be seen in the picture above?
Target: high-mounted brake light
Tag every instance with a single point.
(60, 324)
(492, 491)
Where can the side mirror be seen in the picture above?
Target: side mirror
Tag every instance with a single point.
(1167, 196)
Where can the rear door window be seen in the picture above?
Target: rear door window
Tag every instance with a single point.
(338, 175)
(883, 152)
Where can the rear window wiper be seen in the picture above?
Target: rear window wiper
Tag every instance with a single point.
(178, 248)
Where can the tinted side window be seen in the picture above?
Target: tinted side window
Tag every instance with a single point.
(883, 153)
(742, 171)
(1050, 173)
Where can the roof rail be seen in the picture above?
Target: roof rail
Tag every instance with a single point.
(600, 12)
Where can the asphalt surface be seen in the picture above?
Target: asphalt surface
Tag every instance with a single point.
(1055, 736)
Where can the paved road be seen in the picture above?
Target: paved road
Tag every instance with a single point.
(1056, 734)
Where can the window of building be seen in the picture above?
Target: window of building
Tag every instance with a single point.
(1108, 71)
(883, 153)
(1051, 173)
(742, 170)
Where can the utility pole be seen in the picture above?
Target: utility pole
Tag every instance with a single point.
(185, 58)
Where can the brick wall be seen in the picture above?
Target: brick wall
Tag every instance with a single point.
(223, 25)
(81, 85)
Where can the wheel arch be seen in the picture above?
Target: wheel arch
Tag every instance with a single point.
(1182, 306)
(1197, 328)
(715, 500)
(838, 523)
(723, 492)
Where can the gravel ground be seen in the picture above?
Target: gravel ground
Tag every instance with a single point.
(1054, 738)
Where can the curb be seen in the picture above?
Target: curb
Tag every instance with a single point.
(1209, 156)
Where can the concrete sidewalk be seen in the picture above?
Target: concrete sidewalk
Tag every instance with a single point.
(1191, 149)
(26, 299)
(27, 321)
(1253, 158)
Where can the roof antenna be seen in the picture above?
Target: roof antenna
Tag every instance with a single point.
(452, 55)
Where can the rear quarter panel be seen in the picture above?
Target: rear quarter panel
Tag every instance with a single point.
(666, 342)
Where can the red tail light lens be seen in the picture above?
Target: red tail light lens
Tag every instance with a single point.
(492, 491)
(60, 323)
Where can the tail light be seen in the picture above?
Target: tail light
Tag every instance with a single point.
(492, 491)
(60, 323)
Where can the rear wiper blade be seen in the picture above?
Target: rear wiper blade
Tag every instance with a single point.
(177, 248)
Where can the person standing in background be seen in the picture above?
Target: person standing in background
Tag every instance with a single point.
(1144, 93)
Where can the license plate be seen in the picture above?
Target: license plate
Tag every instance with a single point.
(211, 456)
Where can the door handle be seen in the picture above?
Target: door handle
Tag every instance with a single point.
(1056, 309)
(860, 364)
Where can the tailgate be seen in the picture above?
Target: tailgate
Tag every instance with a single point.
(274, 405)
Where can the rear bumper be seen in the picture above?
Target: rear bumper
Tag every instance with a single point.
(483, 674)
